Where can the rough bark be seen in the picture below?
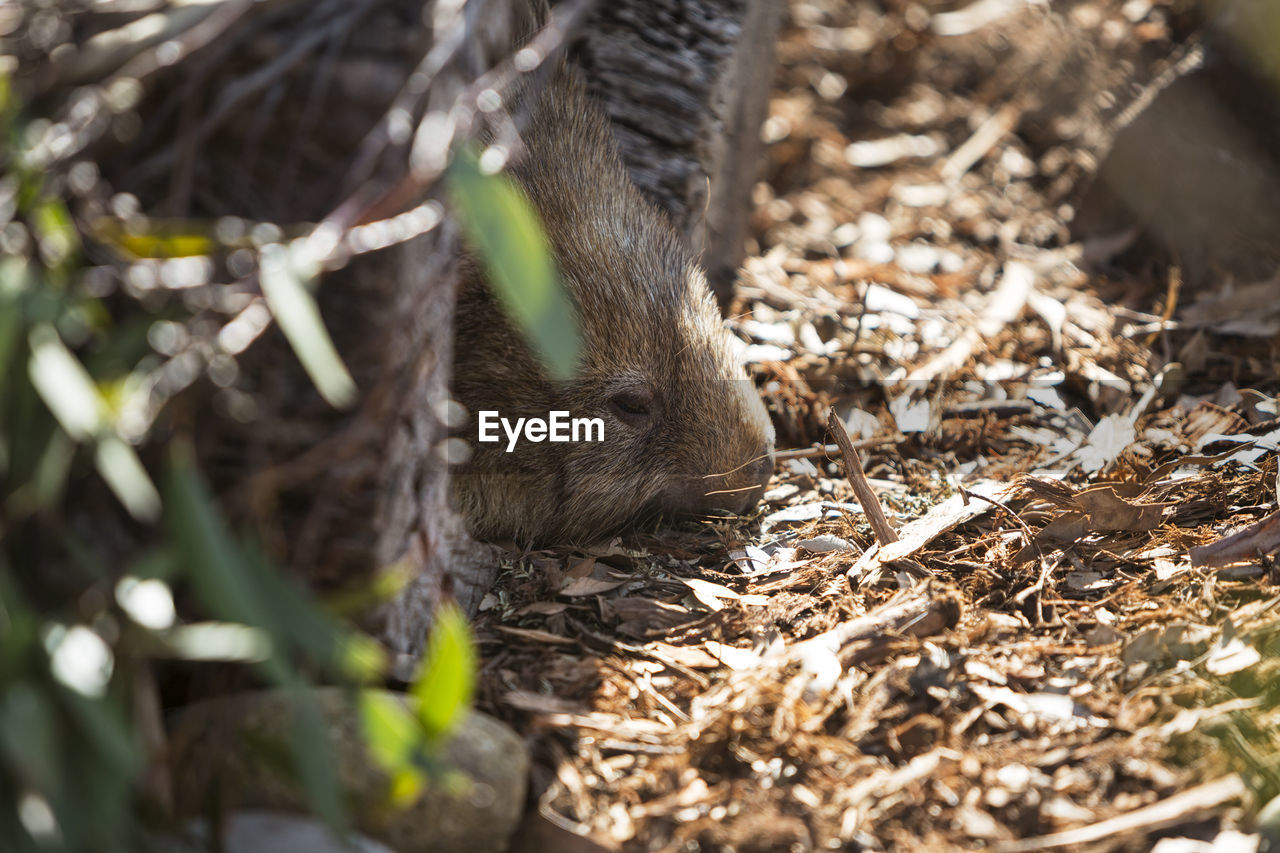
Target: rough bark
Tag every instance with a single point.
(686, 83)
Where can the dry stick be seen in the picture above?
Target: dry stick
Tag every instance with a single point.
(1167, 812)
(357, 208)
(853, 470)
(986, 137)
(918, 612)
(827, 449)
(1170, 304)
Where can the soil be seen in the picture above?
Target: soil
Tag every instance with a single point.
(1064, 408)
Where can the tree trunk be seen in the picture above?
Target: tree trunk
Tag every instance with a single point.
(686, 84)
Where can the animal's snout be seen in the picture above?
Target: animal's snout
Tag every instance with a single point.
(757, 472)
(736, 491)
(753, 478)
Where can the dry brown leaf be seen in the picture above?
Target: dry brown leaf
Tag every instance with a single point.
(589, 586)
(690, 656)
(1108, 511)
(580, 567)
(542, 608)
(638, 616)
(1260, 538)
(536, 636)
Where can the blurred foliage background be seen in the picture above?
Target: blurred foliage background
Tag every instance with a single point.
(104, 319)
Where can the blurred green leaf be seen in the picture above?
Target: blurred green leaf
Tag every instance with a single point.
(503, 228)
(6, 100)
(106, 757)
(51, 473)
(383, 586)
(107, 729)
(293, 620)
(119, 465)
(55, 232)
(13, 281)
(67, 390)
(447, 680)
(158, 563)
(201, 541)
(29, 736)
(238, 585)
(361, 659)
(284, 285)
(159, 240)
(316, 762)
(222, 641)
(47, 483)
(64, 384)
(17, 623)
(395, 739)
(117, 351)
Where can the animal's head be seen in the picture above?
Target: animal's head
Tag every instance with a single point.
(684, 431)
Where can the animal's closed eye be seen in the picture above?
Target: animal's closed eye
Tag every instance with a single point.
(633, 406)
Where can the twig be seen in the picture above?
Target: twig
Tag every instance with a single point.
(988, 134)
(866, 495)
(916, 612)
(1170, 304)
(358, 207)
(86, 129)
(233, 95)
(157, 778)
(1164, 813)
(828, 449)
(919, 612)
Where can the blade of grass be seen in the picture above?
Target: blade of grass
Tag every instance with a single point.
(447, 680)
(68, 390)
(502, 226)
(284, 284)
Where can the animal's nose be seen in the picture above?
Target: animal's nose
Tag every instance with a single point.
(738, 491)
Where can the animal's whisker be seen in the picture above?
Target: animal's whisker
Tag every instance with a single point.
(732, 491)
(753, 460)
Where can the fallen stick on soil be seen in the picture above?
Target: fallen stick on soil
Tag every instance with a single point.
(1155, 816)
(948, 515)
(919, 613)
(988, 134)
(866, 495)
(826, 449)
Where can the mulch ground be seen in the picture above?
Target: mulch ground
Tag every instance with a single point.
(1073, 641)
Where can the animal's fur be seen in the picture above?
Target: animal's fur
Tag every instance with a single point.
(650, 329)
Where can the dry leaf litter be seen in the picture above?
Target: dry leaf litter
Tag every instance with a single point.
(1073, 641)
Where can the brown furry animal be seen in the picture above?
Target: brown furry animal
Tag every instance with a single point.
(685, 432)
